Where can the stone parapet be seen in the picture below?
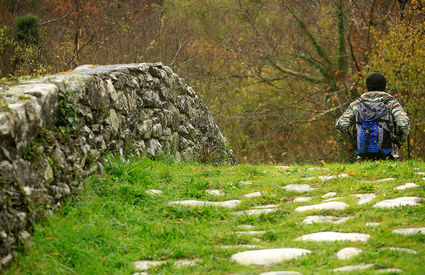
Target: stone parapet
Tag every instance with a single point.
(56, 130)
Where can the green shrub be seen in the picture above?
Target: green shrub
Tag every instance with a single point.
(26, 30)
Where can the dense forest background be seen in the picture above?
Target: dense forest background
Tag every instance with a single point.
(275, 74)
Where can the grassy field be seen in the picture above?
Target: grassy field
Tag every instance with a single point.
(115, 221)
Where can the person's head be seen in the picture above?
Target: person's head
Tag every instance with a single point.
(376, 82)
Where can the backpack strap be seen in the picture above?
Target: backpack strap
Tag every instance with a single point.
(387, 100)
(382, 120)
(391, 123)
(361, 100)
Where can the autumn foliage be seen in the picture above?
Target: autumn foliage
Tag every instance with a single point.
(400, 53)
(275, 74)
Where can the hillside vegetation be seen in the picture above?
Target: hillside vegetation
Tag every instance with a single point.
(275, 74)
(122, 217)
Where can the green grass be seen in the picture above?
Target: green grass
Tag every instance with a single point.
(115, 222)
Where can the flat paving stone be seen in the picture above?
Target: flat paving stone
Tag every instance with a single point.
(400, 249)
(284, 167)
(300, 188)
(253, 195)
(330, 236)
(325, 219)
(154, 192)
(365, 198)
(267, 206)
(255, 212)
(185, 262)
(406, 186)
(302, 199)
(281, 273)
(339, 176)
(267, 257)
(420, 173)
(332, 205)
(333, 199)
(372, 224)
(316, 168)
(385, 179)
(348, 252)
(214, 192)
(329, 195)
(410, 231)
(353, 267)
(228, 204)
(403, 201)
(388, 270)
(144, 265)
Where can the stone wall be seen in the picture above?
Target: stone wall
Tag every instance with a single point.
(56, 130)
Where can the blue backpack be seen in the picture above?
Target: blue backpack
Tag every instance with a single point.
(374, 135)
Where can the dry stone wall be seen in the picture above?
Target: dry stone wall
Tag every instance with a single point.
(56, 130)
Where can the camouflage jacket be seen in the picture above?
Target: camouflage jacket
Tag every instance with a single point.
(399, 121)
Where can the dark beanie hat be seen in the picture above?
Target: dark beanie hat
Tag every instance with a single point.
(376, 82)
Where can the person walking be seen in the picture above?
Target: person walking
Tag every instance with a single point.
(376, 123)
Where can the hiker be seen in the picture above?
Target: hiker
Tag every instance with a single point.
(376, 123)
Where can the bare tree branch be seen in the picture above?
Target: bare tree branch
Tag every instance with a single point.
(54, 20)
(75, 55)
(352, 51)
(316, 117)
(297, 74)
